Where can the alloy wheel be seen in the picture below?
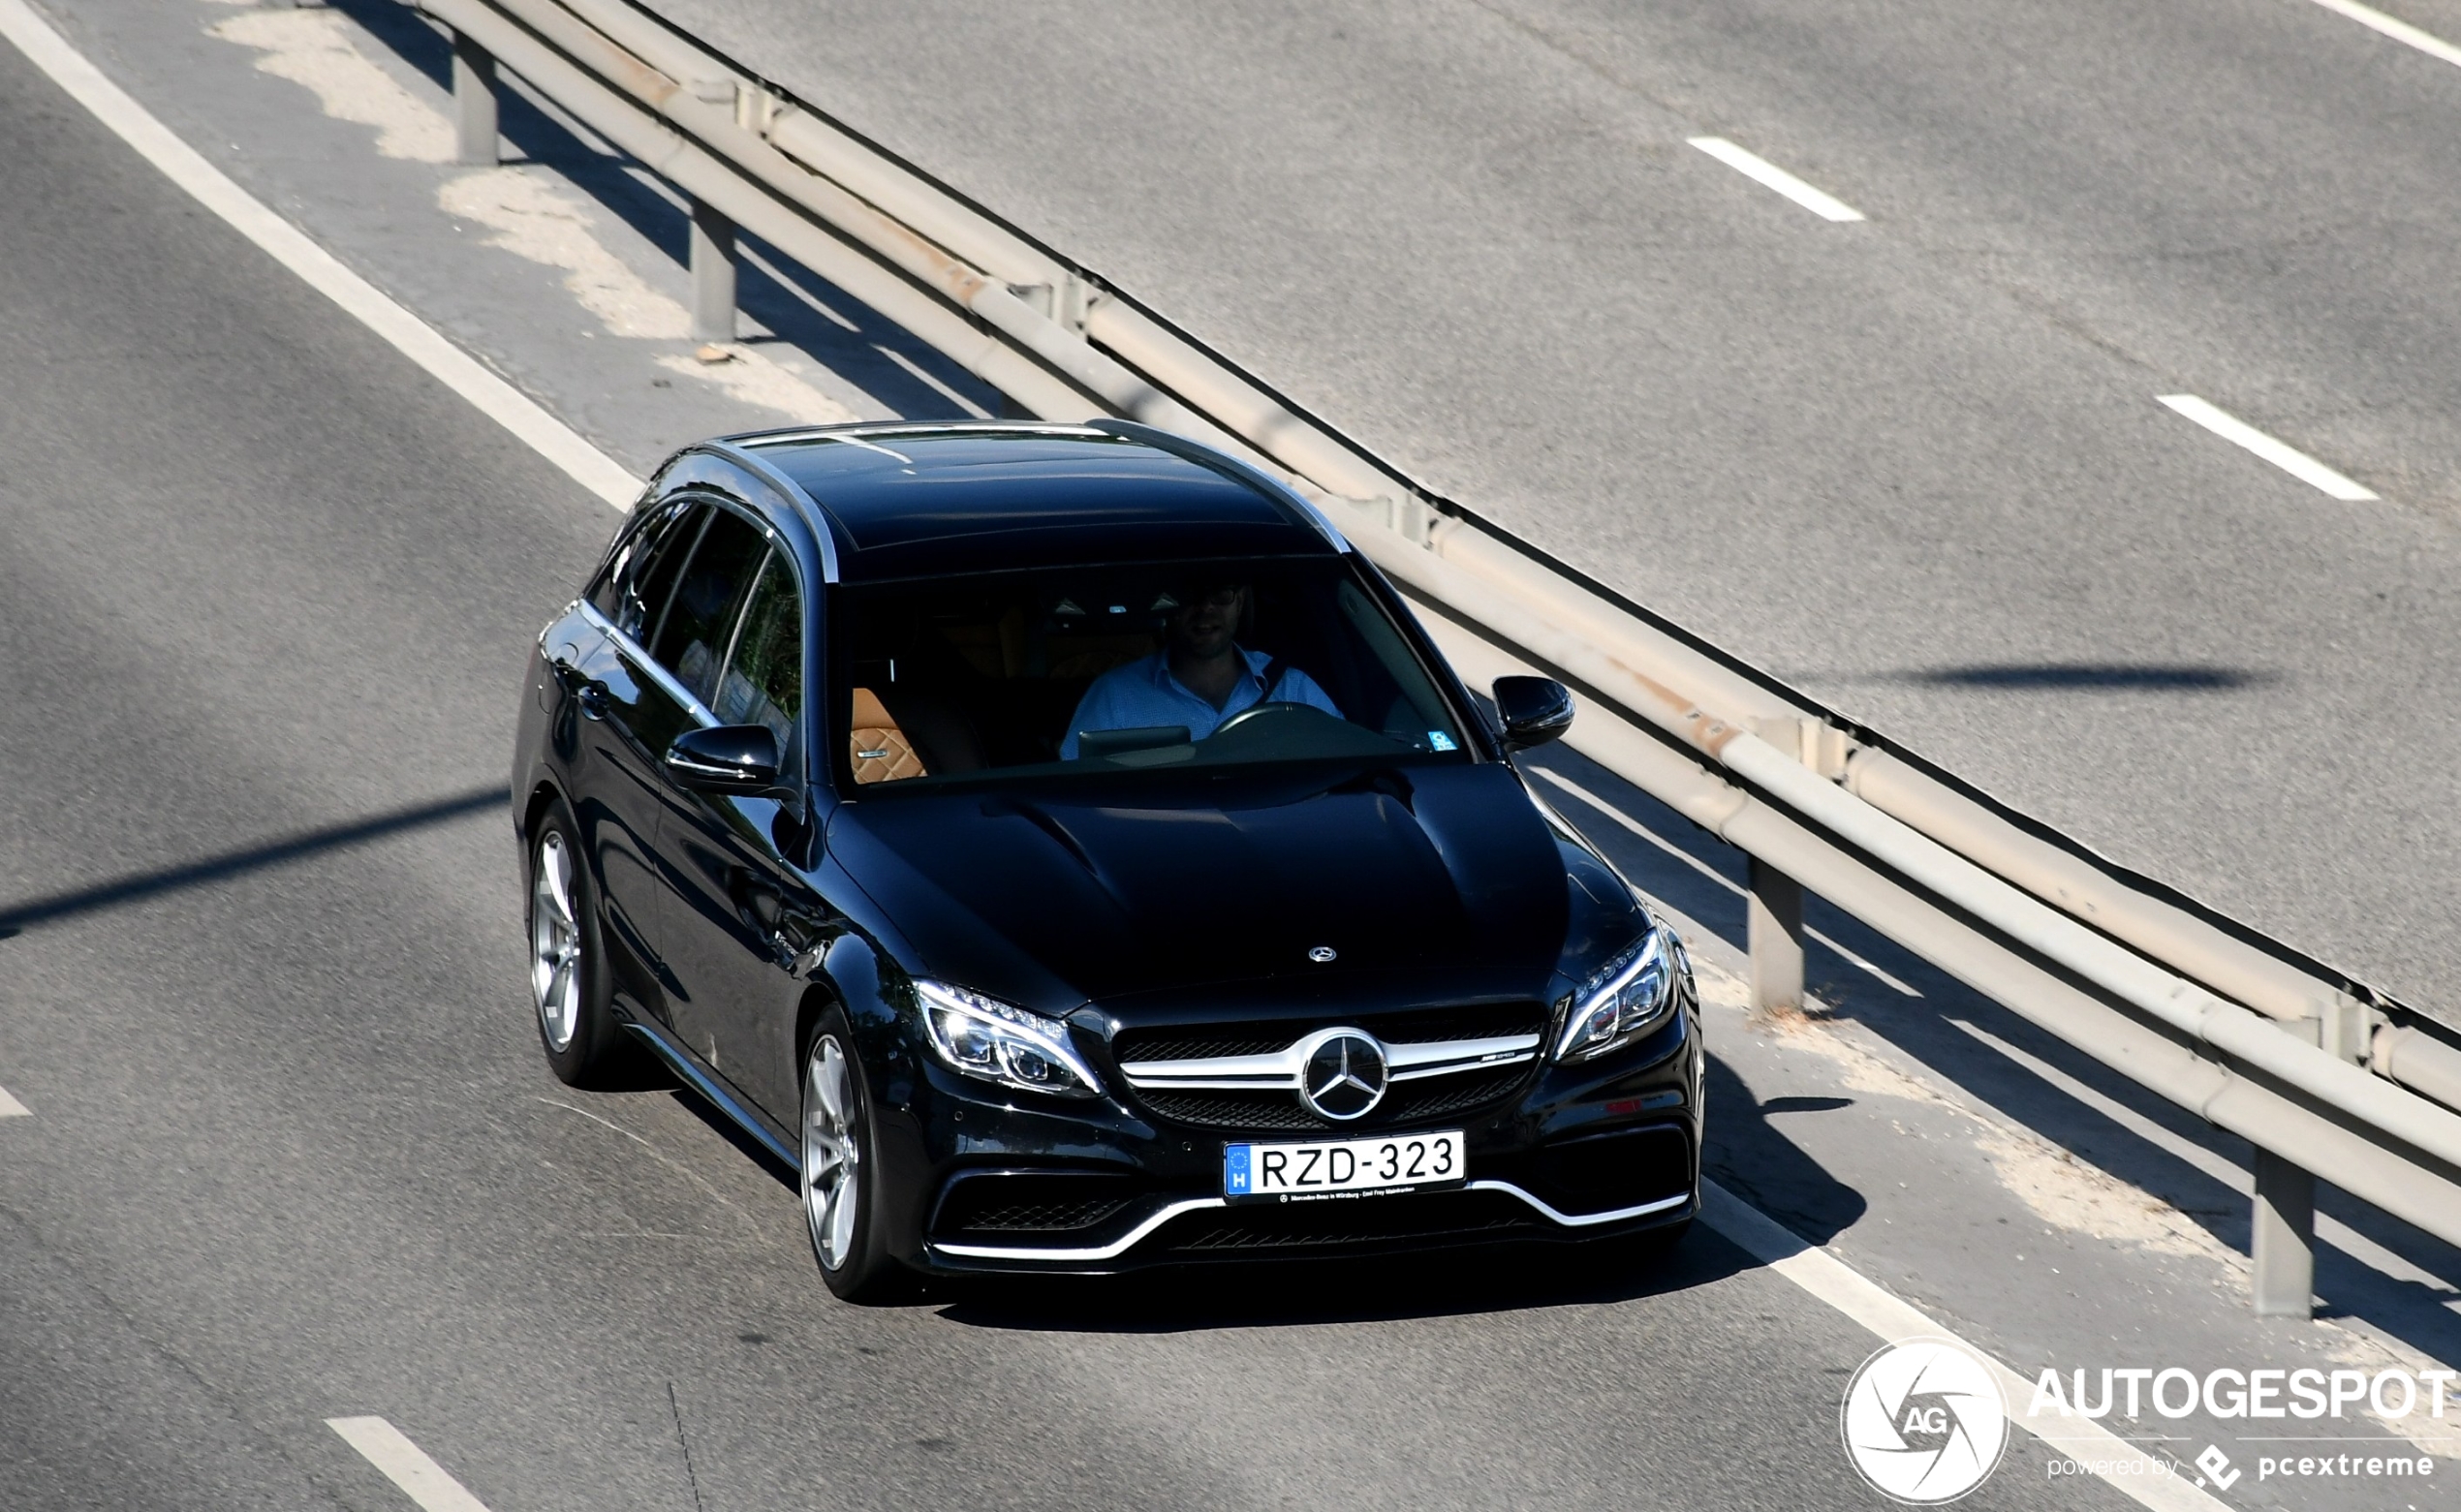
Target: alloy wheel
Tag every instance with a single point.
(555, 943)
(832, 1155)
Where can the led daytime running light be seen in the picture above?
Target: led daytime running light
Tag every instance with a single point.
(1621, 997)
(1000, 1042)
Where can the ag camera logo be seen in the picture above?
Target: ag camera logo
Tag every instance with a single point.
(1924, 1421)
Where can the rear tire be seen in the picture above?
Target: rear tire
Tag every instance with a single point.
(568, 980)
(841, 1171)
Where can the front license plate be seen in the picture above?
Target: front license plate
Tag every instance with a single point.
(1341, 1167)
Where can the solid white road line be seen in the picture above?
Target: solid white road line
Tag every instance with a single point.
(417, 340)
(1762, 170)
(407, 1465)
(2289, 460)
(1705, 869)
(2144, 1478)
(2399, 31)
(10, 1107)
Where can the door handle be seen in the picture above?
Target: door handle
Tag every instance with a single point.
(592, 698)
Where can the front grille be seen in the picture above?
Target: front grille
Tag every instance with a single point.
(1014, 1202)
(1278, 1111)
(1343, 1224)
(1046, 1216)
(1202, 1048)
(1440, 1095)
(1414, 1027)
(1275, 1111)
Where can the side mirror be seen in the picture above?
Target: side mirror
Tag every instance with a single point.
(727, 758)
(1535, 710)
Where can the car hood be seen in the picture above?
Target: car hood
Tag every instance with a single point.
(1057, 897)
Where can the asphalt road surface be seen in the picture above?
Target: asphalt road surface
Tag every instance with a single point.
(1916, 464)
(292, 1153)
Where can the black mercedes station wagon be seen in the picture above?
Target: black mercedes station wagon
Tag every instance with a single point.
(1063, 849)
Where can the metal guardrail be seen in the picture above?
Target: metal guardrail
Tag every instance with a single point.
(2323, 1075)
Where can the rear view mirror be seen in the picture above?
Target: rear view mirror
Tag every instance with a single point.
(728, 759)
(1534, 710)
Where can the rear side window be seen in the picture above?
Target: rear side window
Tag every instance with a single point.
(693, 637)
(764, 680)
(633, 590)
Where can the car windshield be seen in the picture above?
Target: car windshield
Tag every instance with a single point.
(1082, 671)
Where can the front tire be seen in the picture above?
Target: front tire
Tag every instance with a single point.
(568, 980)
(841, 1170)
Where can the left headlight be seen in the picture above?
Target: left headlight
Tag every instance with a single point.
(1626, 996)
(1000, 1042)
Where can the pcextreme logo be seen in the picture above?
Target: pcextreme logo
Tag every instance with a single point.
(1923, 1421)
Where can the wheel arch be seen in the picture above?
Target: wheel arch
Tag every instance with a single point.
(542, 794)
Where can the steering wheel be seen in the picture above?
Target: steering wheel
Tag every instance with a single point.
(1257, 713)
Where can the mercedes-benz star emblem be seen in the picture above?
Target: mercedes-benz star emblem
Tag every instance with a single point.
(1344, 1078)
(1321, 955)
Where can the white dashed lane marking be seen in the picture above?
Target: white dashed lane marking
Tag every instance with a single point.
(2281, 453)
(1760, 171)
(10, 1107)
(407, 1465)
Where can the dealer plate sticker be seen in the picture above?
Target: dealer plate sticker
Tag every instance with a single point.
(1341, 1167)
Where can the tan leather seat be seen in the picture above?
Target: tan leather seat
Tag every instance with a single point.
(878, 749)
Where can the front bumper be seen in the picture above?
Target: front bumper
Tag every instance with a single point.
(1576, 1153)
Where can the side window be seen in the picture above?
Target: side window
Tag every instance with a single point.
(692, 638)
(634, 586)
(764, 680)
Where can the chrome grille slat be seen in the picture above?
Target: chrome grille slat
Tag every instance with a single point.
(1280, 1069)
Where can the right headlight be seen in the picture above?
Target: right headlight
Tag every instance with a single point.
(1626, 996)
(1001, 1042)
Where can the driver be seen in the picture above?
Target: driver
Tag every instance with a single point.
(1199, 678)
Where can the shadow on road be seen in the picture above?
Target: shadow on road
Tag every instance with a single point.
(1385, 1289)
(2088, 676)
(2381, 1272)
(853, 341)
(137, 887)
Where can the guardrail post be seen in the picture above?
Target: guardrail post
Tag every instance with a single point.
(713, 264)
(1773, 932)
(2282, 1239)
(474, 101)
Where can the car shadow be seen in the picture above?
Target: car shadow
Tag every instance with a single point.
(1448, 1282)
(727, 1129)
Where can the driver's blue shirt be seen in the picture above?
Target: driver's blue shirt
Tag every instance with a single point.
(1143, 695)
